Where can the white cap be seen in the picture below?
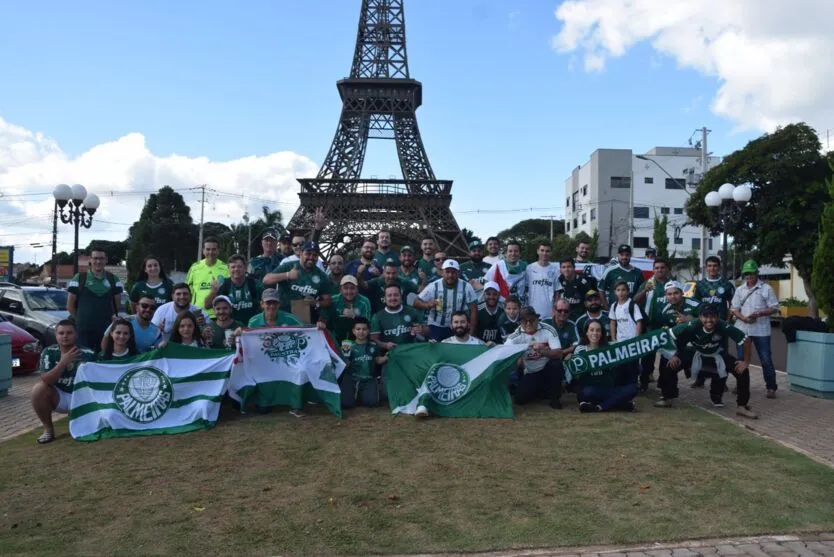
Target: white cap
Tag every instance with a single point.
(492, 284)
(451, 264)
(673, 284)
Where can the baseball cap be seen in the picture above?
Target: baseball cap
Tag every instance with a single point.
(310, 246)
(270, 233)
(475, 244)
(406, 248)
(527, 312)
(492, 284)
(673, 284)
(624, 248)
(451, 264)
(221, 298)
(651, 251)
(349, 279)
(269, 295)
(285, 239)
(591, 294)
(709, 309)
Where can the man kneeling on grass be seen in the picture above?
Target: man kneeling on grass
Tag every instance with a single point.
(359, 382)
(704, 339)
(541, 366)
(59, 363)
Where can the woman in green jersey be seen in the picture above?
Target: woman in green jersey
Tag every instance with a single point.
(152, 282)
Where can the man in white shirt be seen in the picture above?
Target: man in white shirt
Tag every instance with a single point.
(493, 247)
(167, 313)
(460, 330)
(753, 304)
(541, 365)
(444, 297)
(542, 279)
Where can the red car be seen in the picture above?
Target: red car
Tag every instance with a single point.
(26, 350)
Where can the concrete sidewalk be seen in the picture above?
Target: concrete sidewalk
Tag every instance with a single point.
(16, 414)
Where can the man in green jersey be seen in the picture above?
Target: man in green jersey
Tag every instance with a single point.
(408, 268)
(205, 272)
(303, 280)
(221, 329)
(700, 340)
(677, 309)
(573, 287)
(347, 306)
(474, 270)
(594, 311)
(396, 324)
(270, 259)
(384, 254)
(244, 292)
(489, 315)
(622, 271)
(716, 290)
(425, 265)
(58, 366)
(652, 298)
(93, 300)
(376, 287)
(564, 328)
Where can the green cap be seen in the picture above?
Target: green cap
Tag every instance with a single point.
(749, 266)
(406, 248)
(475, 244)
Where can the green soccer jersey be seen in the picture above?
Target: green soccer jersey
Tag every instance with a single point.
(376, 291)
(582, 322)
(428, 268)
(573, 292)
(218, 334)
(389, 257)
(669, 313)
(489, 329)
(51, 355)
(412, 276)
(360, 360)
(94, 306)
(261, 265)
(474, 270)
(246, 297)
(313, 283)
(567, 333)
(161, 293)
(653, 307)
(695, 338)
(342, 326)
(718, 292)
(633, 277)
(396, 326)
(284, 320)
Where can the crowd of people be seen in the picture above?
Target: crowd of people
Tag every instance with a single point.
(386, 298)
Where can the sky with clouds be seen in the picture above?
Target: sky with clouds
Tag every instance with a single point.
(125, 98)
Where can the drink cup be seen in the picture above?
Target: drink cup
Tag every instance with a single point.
(230, 336)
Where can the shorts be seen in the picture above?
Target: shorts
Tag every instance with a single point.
(64, 400)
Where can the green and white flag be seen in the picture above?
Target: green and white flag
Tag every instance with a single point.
(287, 366)
(452, 380)
(171, 390)
(613, 355)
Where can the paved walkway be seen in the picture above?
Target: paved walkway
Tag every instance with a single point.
(810, 545)
(16, 414)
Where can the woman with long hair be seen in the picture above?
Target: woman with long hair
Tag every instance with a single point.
(153, 282)
(598, 391)
(120, 342)
(186, 331)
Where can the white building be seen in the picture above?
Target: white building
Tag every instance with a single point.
(598, 197)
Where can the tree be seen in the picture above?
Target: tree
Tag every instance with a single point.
(115, 251)
(165, 230)
(469, 236)
(788, 176)
(530, 231)
(823, 265)
(564, 246)
(661, 237)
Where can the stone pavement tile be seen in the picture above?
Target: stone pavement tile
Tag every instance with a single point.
(16, 414)
(753, 549)
(728, 549)
(683, 552)
(800, 548)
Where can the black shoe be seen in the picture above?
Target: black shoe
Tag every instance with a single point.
(586, 407)
(627, 407)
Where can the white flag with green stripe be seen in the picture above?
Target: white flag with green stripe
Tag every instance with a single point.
(172, 390)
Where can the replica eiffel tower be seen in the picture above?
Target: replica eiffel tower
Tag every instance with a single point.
(379, 100)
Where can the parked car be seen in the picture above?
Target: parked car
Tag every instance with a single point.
(35, 309)
(26, 350)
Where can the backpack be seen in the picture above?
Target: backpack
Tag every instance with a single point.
(249, 281)
(631, 306)
(111, 278)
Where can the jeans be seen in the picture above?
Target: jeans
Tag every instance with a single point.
(439, 333)
(762, 345)
(544, 384)
(608, 398)
(367, 391)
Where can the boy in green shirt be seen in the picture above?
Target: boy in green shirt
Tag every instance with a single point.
(359, 381)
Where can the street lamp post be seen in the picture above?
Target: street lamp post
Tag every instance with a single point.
(248, 236)
(75, 207)
(726, 201)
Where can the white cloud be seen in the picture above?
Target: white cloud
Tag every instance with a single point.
(31, 162)
(771, 57)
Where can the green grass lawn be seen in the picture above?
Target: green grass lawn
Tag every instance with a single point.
(371, 483)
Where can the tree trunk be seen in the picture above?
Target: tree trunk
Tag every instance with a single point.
(813, 311)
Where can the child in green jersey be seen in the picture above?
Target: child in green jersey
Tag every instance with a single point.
(359, 381)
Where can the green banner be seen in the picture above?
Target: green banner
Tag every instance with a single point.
(623, 352)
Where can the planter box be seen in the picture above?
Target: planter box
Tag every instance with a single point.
(811, 364)
(5, 364)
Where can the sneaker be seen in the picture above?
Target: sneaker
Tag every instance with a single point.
(771, 393)
(422, 412)
(718, 404)
(663, 403)
(697, 385)
(296, 413)
(747, 412)
(586, 407)
(597, 408)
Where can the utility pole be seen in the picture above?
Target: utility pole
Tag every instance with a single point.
(249, 236)
(54, 270)
(704, 169)
(202, 216)
(611, 232)
(551, 217)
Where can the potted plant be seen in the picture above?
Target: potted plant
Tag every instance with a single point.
(811, 357)
(790, 307)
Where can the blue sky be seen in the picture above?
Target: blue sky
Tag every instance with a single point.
(505, 116)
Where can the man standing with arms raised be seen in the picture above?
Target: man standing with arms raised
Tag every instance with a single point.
(204, 273)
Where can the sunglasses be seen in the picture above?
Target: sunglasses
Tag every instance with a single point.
(438, 259)
(147, 306)
(562, 311)
(295, 245)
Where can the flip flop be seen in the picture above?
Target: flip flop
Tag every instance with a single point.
(46, 437)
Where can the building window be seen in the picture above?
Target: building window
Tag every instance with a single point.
(567, 202)
(575, 196)
(641, 242)
(664, 210)
(648, 180)
(584, 191)
(678, 241)
(678, 210)
(710, 244)
(567, 226)
(575, 223)
(696, 243)
(641, 212)
(593, 214)
(584, 219)
(676, 184)
(623, 182)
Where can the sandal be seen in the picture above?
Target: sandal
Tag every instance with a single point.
(46, 437)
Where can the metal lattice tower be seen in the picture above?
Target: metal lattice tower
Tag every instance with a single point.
(379, 101)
